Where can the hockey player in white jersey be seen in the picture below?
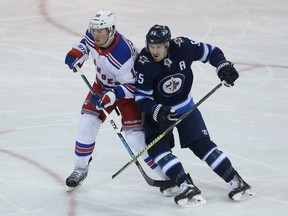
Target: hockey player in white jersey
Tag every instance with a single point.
(113, 57)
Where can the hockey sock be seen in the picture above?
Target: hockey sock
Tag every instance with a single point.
(220, 164)
(171, 166)
(87, 131)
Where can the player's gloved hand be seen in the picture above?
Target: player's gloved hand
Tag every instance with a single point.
(105, 99)
(228, 73)
(164, 115)
(76, 56)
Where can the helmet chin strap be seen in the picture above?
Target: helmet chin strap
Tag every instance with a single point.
(109, 39)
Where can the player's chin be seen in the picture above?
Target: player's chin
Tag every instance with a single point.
(98, 43)
(157, 58)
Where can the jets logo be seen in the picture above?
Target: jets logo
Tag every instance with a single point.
(171, 85)
(143, 59)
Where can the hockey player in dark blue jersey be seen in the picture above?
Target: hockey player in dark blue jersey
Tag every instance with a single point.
(164, 81)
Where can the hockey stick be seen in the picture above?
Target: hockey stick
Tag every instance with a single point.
(168, 130)
(150, 181)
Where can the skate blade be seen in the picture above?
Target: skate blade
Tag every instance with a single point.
(195, 201)
(170, 192)
(244, 195)
(70, 189)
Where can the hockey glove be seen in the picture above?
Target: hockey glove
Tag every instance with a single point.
(105, 100)
(164, 115)
(228, 73)
(76, 56)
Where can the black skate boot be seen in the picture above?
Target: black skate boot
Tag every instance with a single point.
(190, 195)
(77, 177)
(240, 189)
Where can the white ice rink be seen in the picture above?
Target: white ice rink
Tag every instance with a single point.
(40, 101)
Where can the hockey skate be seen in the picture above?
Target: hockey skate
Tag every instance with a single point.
(170, 191)
(190, 195)
(76, 178)
(240, 189)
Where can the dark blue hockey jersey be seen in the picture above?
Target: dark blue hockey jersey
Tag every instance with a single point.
(169, 82)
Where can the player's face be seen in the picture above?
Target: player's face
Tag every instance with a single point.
(100, 36)
(158, 51)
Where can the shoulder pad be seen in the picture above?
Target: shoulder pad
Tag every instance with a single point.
(178, 41)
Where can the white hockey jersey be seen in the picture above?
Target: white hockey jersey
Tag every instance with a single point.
(114, 65)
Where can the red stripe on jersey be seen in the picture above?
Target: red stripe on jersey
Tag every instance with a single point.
(91, 42)
(130, 87)
(129, 43)
(113, 60)
(108, 50)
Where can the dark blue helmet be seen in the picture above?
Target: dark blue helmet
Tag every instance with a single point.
(158, 34)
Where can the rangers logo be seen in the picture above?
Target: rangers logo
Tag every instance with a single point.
(171, 85)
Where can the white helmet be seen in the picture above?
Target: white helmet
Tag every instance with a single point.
(103, 19)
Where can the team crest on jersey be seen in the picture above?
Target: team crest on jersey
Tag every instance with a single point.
(171, 85)
(178, 41)
(143, 59)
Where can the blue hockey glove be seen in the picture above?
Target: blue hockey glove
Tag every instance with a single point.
(76, 56)
(105, 100)
(228, 73)
(164, 115)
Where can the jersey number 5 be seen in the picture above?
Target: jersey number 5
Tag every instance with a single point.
(140, 78)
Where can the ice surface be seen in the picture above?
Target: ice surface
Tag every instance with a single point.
(41, 100)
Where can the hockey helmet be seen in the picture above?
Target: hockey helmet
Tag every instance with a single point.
(158, 34)
(103, 19)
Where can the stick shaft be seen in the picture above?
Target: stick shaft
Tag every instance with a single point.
(150, 181)
(167, 130)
